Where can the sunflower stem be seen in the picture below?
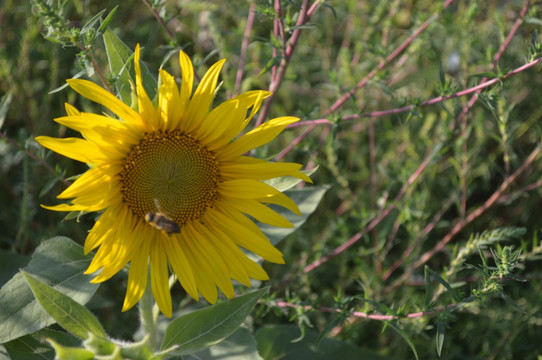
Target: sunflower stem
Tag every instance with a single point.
(147, 316)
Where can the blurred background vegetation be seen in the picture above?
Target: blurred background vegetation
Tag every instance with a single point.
(401, 183)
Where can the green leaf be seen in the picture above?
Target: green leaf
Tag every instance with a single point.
(4, 106)
(71, 353)
(30, 347)
(120, 60)
(276, 342)
(428, 288)
(92, 22)
(443, 282)
(441, 328)
(60, 263)
(105, 24)
(511, 302)
(404, 335)
(73, 317)
(209, 326)
(241, 345)
(307, 200)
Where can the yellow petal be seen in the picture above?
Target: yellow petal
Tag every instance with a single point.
(282, 200)
(179, 263)
(233, 255)
(169, 102)
(203, 97)
(137, 277)
(259, 212)
(103, 230)
(257, 169)
(74, 148)
(71, 110)
(90, 181)
(206, 285)
(159, 277)
(98, 94)
(257, 137)
(211, 261)
(246, 189)
(102, 129)
(227, 120)
(244, 232)
(187, 83)
(66, 207)
(146, 109)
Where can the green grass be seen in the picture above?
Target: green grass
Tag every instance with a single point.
(423, 187)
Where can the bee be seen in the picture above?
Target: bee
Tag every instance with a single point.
(161, 221)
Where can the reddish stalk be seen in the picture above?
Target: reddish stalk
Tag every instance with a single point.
(492, 200)
(160, 20)
(360, 314)
(461, 119)
(244, 47)
(436, 100)
(388, 59)
(304, 16)
(374, 222)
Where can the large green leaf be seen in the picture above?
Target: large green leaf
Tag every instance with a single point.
(30, 347)
(73, 317)
(209, 326)
(60, 263)
(120, 58)
(241, 345)
(276, 342)
(307, 200)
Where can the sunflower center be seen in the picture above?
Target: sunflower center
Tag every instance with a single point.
(172, 173)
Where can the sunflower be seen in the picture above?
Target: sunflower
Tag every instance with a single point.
(173, 185)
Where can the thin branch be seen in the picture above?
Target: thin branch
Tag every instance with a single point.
(359, 314)
(433, 101)
(34, 157)
(244, 47)
(412, 179)
(160, 20)
(388, 59)
(304, 16)
(492, 200)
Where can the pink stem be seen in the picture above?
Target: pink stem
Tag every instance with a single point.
(244, 47)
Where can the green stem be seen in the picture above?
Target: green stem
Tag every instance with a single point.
(147, 316)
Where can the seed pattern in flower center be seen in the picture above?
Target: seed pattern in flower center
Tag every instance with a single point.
(172, 173)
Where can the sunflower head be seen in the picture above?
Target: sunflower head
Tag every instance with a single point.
(173, 185)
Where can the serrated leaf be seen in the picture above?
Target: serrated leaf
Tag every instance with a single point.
(307, 200)
(209, 326)
(60, 263)
(73, 317)
(30, 347)
(276, 342)
(120, 57)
